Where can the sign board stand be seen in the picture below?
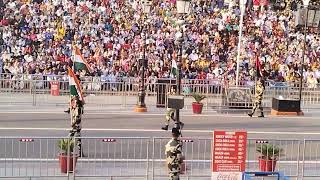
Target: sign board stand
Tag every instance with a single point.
(228, 155)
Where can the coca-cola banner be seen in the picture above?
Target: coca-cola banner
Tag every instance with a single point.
(229, 151)
(226, 176)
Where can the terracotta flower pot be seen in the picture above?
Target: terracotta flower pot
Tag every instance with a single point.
(267, 165)
(63, 160)
(197, 107)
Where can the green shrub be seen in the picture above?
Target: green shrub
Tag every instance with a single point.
(269, 151)
(65, 145)
(198, 97)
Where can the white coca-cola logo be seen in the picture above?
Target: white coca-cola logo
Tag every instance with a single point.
(227, 177)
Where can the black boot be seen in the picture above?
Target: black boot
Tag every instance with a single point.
(165, 127)
(67, 111)
(261, 115)
(250, 114)
(179, 125)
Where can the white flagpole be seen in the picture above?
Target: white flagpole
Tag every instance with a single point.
(242, 9)
(73, 69)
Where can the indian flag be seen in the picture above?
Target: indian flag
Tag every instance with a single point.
(174, 68)
(79, 62)
(74, 84)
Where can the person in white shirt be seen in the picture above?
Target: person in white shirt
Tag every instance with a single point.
(312, 81)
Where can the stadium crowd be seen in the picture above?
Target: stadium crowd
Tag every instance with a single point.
(37, 38)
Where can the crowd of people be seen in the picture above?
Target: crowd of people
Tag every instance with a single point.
(37, 37)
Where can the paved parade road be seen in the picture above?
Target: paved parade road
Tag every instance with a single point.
(127, 123)
(132, 154)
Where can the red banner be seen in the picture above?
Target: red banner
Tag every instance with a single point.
(229, 151)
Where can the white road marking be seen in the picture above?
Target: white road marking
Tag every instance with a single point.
(155, 130)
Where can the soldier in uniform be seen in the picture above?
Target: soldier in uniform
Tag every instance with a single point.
(174, 155)
(258, 99)
(170, 114)
(170, 111)
(76, 112)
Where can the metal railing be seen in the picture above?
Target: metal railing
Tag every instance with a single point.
(29, 157)
(114, 157)
(124, 94)
(311, 159)
(143, 157)
(135, 80)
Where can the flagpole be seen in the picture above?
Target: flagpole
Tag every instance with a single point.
(73, 69)
(242, 9)
(73, 57)
(257, 69)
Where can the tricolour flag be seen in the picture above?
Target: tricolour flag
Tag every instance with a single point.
(74, 84)
(174, 68)
(79, 62)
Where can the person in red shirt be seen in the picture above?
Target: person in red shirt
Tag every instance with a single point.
(202, 75)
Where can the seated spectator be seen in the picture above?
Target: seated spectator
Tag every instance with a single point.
(37, 39)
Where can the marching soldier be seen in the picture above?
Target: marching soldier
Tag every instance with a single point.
(258, 99)
(76, 112)
(174, 155)
(170, 111)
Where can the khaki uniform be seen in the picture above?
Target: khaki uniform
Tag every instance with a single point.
(170, 115)
(76, 115)
(170, 112)
(174, 158)
(259, 96)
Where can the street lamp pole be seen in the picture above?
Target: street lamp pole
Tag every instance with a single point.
(305, 5)
(142, 93)
(242, 9)
(141, 105)
(178, 78)
(183, 7)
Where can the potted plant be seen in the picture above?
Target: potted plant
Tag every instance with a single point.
(67, 159)
(197, 106)
(269, 156)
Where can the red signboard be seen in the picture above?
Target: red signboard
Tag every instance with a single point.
(55, 86)
(229, 151)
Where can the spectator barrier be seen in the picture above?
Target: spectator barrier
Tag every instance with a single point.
(311, 154)
(39, 92)
(143, 157)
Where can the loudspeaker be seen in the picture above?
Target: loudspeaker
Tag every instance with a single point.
(143, 62)
(313, 17)
(176, 102)
(286, 105)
